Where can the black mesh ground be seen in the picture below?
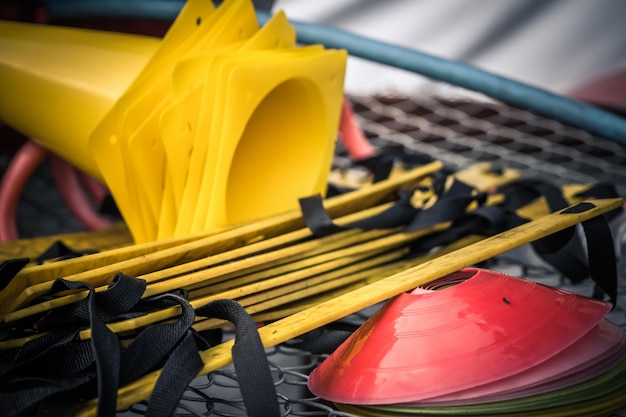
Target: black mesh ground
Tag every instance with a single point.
(460, 131)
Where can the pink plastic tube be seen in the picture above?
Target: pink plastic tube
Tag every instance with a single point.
(352, 135)
(69, 186)
(25, 161)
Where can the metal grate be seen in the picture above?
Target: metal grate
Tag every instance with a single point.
(218, 394)
(459, 130)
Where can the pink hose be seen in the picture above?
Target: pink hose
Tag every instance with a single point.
(94, 188)
(68, 184)
(352, 135)
(25, 161)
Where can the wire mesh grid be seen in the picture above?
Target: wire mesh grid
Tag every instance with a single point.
(218, 394)
(458, 128)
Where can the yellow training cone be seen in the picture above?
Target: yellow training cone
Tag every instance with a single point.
(56, 84)
(219, 122)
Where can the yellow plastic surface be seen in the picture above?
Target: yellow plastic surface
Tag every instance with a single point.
(205, 145)
(274, 110)
(179, 122)
(219, 122)
(56, 83)
(141, 119)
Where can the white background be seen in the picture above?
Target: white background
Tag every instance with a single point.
(554, 44)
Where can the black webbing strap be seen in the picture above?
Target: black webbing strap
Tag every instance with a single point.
(562, 250)
(181, 368)
(59, 363)
(524, 191)
(387, 156)
(602, 189)
(59, 251)
(50, 374)
(63, 356)
(32, 394)
(602, 264)
(316, 217)
(400, 213)
(484, 221)
(450, 205)
(320, 223)
(54, 409)
(122, 294)
(53, 371)
(152, 345)
(105, 347)
(9, 269)
(380, 165)
(249, 359)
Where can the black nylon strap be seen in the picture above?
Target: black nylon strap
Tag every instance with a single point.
(122, 294)
(59, 250)
(54, 409)
(401, 213)
(151, 346)
(567, 257)
(36, 348)
(562, 250)
(319, 222)
(253, 372)
(316, 217)
(59, 362)
(182, 367)
(15, 403)
(524, 191)
(484, 221)
(450, 206)
(603, 189)
(602, 266)
(50, 373)
(106, 351)
(380, 165)
(9, 269)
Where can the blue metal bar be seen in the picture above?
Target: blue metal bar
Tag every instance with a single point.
(546, 103)
(563, 109)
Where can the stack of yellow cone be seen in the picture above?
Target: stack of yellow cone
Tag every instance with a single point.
(220, 122)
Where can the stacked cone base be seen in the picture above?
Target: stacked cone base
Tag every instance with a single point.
(480, 343)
